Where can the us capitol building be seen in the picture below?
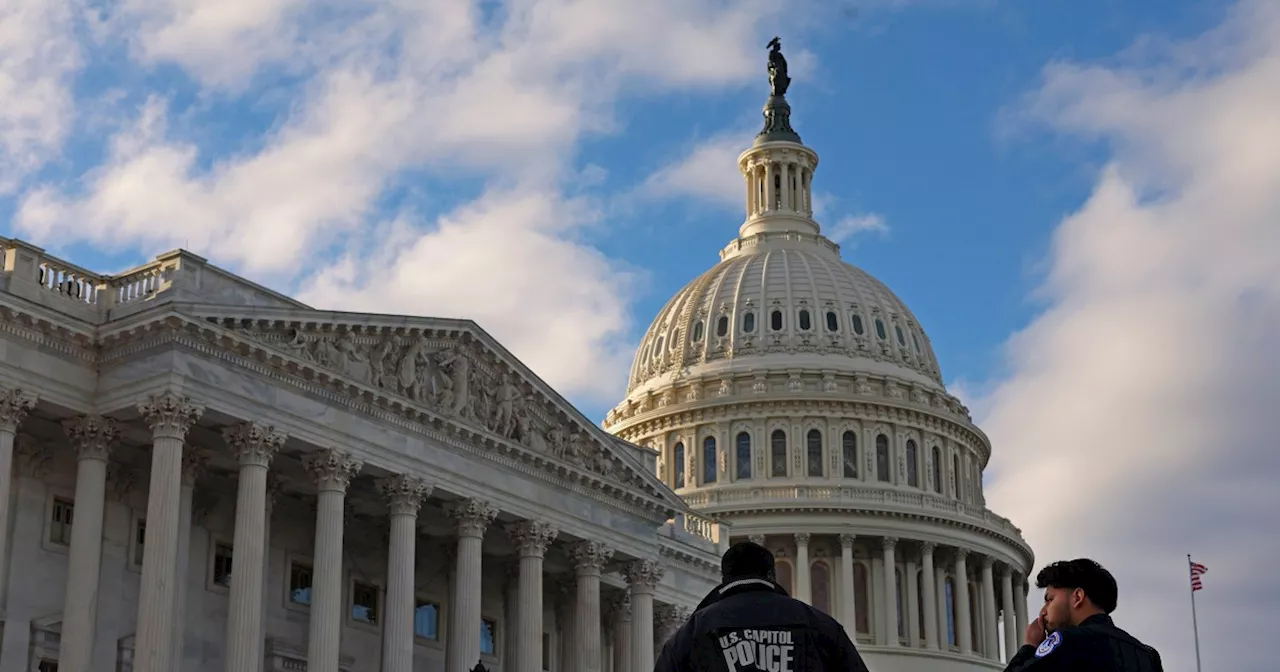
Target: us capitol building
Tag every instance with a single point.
(199, 474)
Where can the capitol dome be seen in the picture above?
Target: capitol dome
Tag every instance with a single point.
(797, 400)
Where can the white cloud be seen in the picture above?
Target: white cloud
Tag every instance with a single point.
(38, 56)
(851, 225)
(708, 172)
(1136, 424)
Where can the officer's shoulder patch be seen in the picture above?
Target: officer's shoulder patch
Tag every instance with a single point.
(1049, 644)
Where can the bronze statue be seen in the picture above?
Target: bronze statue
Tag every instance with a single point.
(778, 79)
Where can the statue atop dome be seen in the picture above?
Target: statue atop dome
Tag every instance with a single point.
(778, 79)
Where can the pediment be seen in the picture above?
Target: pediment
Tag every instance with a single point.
(449, 372)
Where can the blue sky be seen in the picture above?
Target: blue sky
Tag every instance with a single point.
(1077, 199)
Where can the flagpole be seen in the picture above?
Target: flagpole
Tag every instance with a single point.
(1195, 629)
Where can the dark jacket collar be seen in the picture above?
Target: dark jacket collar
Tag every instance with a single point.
(735, 585)
(1098, 619)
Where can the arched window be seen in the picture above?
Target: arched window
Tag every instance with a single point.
(709, 460)
(820, 586)
(805, 322)
(861, 599)
(678, 463)
(937, 470)
(882, 458)
(833, 321)
(657, 349)
(913, 471)
(951, 612)
(778, 453)
(744, 455)
(857, 325)
(902, 602)
(782, 574)
(880, 330)
(902, 340)
(697, 331)
(955, 476)
(748, 323)
(775, 320)
(814, 444)
(849, 450)
(722, 326)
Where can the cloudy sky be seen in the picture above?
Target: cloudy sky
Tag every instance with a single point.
(1079, 198)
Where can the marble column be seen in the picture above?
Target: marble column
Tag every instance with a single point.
(1011, 635)
(912, 617)
(193, 466)
(960, 574)
(472, 517)
(567, 607)
(1020, 612)
(642, 577)
(890, 588)
(170, 416)
(253, 445)
(93, 437)
(940, 588)
(14, 406)
(404, 495)
(332, 470)
(929, 581)
(531, 539)
(589, 558)
(622, 655)
(991, 635)
(848, 603)
(274, 488)
(804, 592)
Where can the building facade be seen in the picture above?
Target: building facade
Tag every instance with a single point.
(199, 474)
(796, 398)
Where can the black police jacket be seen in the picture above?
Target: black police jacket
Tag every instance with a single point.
(752, 625)
(1096, 645)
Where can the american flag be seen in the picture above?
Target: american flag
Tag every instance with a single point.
(1196, 570)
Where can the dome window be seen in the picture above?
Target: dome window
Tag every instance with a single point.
(902, 340)
(813, 441)
(857, 325)
(657, 350)
(709, 460)
(913, 465)
(882, 458)
(749, 323)
(937, 470)
(722, 326)
(778, 454)
(915, 341)
(880, 330)
(833, 322)
(805, 322)
(697, 332)
(849, 448)
(744, 455)
(775, 320)
(678, 465)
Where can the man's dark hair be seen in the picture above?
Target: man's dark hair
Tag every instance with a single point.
(747, 560)
(1096, 582)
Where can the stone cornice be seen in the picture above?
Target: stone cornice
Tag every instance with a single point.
(143, 332)
(53, 331)
(694, 563)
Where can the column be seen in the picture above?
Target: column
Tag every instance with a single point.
(404, 495)
(929, 580)
(253, 445)
(890, 587)
(567, 599)
(1012, 637)
(964, 635)
(991, 639)
(1020, 612)
(274, 488)
(848, 602)
(333, 471)
(589, 558)
(14, 406)
(940, 587)
(170, 416)
(193, 465)
(473, 517)
(93, 438)
(622, 654)
(531, 539)
(803, 591)
(913, 604)
(642, 577)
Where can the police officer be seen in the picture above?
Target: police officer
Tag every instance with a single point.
(1074, 632)
(749, 623)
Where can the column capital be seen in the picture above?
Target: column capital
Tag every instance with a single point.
(888, 543)
(332, 468)
(757, 539)
(987, 563)
(927, 548)
(532, 537)
(194, 464)
(92, 435)
(961, 552)
(404, 494)
(170, 415)
(643, 575)
(121, 479)
(802, 538)
(274, 487)
(34, 455)
(620, 607)
(589, 557)
(14, 406)
(253, 443)
(473, 517)
(847, 539)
